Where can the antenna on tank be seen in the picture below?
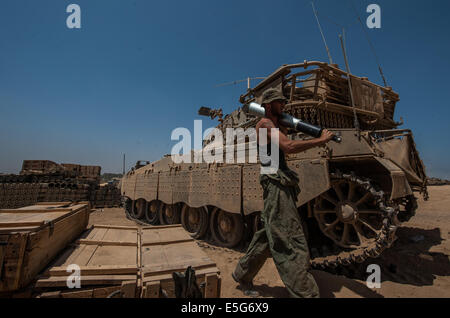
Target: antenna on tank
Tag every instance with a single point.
(355, 117)
(372, 47)
(123, 171)
(248, 79)
(321, 32)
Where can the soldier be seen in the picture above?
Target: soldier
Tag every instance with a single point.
(282, 234)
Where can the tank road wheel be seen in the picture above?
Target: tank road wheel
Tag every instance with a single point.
(128, 203)
(195, 220)
(169, 214)
(226, 228)
(151, 214)
(349, 213)
(139, 208)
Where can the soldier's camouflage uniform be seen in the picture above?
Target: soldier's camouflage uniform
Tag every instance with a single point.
(282, 236)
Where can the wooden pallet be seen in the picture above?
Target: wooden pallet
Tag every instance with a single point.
(31, 237)
(108, 259)
(129, 262)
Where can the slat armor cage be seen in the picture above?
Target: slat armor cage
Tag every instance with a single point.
(319, 94)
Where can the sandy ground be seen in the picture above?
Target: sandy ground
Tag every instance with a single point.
(417, 265)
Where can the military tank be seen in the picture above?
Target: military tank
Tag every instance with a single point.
(354, 194)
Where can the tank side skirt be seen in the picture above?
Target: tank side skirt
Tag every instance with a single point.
(194, 186)
(314, 178)
(400, 185)
(146, 187)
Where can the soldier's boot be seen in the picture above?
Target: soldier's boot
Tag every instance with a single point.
(246, 287)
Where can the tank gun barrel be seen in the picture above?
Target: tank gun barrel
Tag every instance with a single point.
(289, 121)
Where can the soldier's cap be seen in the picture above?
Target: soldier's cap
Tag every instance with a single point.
(271, 95)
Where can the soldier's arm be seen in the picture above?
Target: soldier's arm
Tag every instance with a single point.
(295, 146)
(284, 130)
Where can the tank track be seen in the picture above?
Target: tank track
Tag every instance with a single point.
(409, 205)
(384, 240)
(132, 218)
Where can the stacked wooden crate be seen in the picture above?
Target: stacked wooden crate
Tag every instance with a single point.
(119, 261)
(90, 171)
(107, 258)
(15, 195)
(39, 165)
(31, 237)
(47, 181)
(106, 196)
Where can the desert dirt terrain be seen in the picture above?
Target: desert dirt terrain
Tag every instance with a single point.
(417, 265)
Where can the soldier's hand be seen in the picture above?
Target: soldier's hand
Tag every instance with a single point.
(326, 135)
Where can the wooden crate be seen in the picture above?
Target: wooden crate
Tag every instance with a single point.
(31, 237)
(129, 262)
(108, 258)
(168, 249)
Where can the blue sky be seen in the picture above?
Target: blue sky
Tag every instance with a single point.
(138, 69)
